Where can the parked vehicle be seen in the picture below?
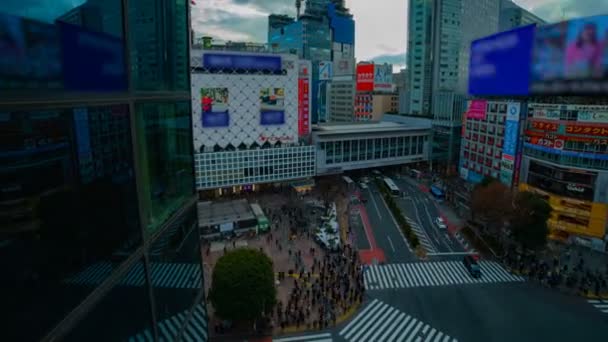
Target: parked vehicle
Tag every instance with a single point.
(440, 223)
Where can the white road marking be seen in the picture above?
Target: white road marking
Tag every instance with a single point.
(390, 242)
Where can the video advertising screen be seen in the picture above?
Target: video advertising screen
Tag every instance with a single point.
(571, 57)
(500, 63)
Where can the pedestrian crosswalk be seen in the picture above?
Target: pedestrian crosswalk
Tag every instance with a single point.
(169, 328)
(440, 273)
(171, 275)
(379, 321)
(326, 337)
(600, 304)
(422, 236)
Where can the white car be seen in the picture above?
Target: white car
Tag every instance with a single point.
(440, 223)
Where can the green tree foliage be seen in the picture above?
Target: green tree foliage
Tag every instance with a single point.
(243, 285)
(492, 204)
(529, 221)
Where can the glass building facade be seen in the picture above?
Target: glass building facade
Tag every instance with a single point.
(98, 223)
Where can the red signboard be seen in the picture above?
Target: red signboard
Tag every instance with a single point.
(303, 105)
(365, 77)
(587, 130)
(545, 126)
(477, 109)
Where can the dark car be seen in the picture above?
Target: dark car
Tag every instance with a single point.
(472, 266)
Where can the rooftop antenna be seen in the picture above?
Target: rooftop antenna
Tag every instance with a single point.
(298, 6)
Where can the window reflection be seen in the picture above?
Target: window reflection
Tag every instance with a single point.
(165, 159)
(68, 210)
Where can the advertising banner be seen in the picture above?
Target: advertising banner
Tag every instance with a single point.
(546, 113)
(551, 142)
(272, 106)
(593, 116)
(303, 107)
(222, 61)
(570, 58)
(214, 106)
(304, 68)
(325, 71)
(477, 109)
(344, 67)
(587, 130)
(544, 126)
(511, 137)
(545, 135)
(567, 153)
(365, 77)
(507, 168)
(383, 77)
(497, 61)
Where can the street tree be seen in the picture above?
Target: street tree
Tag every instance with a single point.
(243, 285)
(491, 204)
(529, 220)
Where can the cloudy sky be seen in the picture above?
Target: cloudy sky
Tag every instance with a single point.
(381, 25)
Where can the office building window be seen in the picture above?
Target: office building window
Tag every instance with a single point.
(165, 159)
(68, 210)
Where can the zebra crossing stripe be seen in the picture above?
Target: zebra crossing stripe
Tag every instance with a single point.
(326, 337)
(380, 306)
(429, 337)
(373, 322)
(367, 308)
(414, 332)
(386, 322)
(436, 273)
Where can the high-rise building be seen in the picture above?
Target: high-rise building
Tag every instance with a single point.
(98, 225)
(512, 16)
(400, 82)
(251, 127)
(565, 159)
(324, 33)
(438, 75)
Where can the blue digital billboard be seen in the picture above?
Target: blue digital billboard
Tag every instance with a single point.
(500, 63)
(92, 61)
(215, 119)
(343, 27)
(221, 61)
(571, 57)
(272, 117)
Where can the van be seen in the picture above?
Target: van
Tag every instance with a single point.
(472, 266)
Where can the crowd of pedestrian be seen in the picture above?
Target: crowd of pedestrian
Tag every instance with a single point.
(319, 296)
(565, 272)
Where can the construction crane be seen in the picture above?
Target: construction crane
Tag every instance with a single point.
(298, 7)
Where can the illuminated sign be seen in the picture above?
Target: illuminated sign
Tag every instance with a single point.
(217, 61)
(588, 116)
(547, 114)
(325, 71)
(587, 130)
(545, 126)
(303, 106)
(574, 187)
(477, 109)
(365, 77)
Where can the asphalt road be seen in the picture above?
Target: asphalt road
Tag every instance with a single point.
(387, 234)
(493, 312)
(420, 207)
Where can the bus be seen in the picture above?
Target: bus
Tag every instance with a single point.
(392, 187)
(263, 223)
(437, 193)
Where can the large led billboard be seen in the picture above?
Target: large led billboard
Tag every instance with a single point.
(571, 57)
(365, 77)
(500, 63)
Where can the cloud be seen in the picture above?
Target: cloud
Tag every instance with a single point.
(398, 58)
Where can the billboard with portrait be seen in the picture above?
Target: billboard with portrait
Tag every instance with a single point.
(214, 107)
(272, 106)
(571, 57)
(325, 71)
(365, 77)
(497, 62)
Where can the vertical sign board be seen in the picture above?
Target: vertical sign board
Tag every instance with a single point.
(303, 106)
(507, 164)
